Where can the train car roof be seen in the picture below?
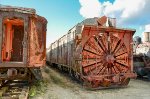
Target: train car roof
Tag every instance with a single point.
(94, 21)
(30, 11)
(17, 9)
(108, 29)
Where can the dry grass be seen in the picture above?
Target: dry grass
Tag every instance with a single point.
(59, 78)
(61, 86)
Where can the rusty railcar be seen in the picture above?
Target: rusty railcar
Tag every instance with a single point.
(22, 42)
(95, 52)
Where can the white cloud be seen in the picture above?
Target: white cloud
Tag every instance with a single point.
(126, 11)
(147, 28)
(90, 8)
(129, 11)
(126, 8)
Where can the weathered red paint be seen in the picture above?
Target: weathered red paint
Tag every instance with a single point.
(99, 55)
(106, 52)
(22, 43)
(31, 49)
(37, 38)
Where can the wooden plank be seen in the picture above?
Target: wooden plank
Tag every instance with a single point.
(12, 64)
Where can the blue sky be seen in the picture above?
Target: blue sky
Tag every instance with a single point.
(64, 14)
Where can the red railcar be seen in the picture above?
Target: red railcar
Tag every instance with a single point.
(96, 52)
(22, 42)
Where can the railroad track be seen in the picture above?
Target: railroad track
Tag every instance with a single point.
(14, 90)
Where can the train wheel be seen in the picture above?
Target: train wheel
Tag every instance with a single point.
(106, 83)
(87, 84)
(2, 82)
(71, 72)
(125, 81)
(105, 54)
(148, 75)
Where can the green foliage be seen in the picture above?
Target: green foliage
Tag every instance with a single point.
(32, 91)
(38, 88)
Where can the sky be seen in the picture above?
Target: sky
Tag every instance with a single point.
(62, 15)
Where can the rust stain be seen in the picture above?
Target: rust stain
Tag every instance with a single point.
(99, 54)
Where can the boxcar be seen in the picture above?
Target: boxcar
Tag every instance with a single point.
(96, 52)
(22, 42)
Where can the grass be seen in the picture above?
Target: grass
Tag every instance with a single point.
(51, 77)
(59, 78)
(38, 88)
(46, 70)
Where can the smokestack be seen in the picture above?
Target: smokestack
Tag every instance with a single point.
(111, 22)
(146, 37)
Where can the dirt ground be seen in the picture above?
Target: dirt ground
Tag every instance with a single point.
(60, 86)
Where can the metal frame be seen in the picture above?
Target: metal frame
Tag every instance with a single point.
(24, 17)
